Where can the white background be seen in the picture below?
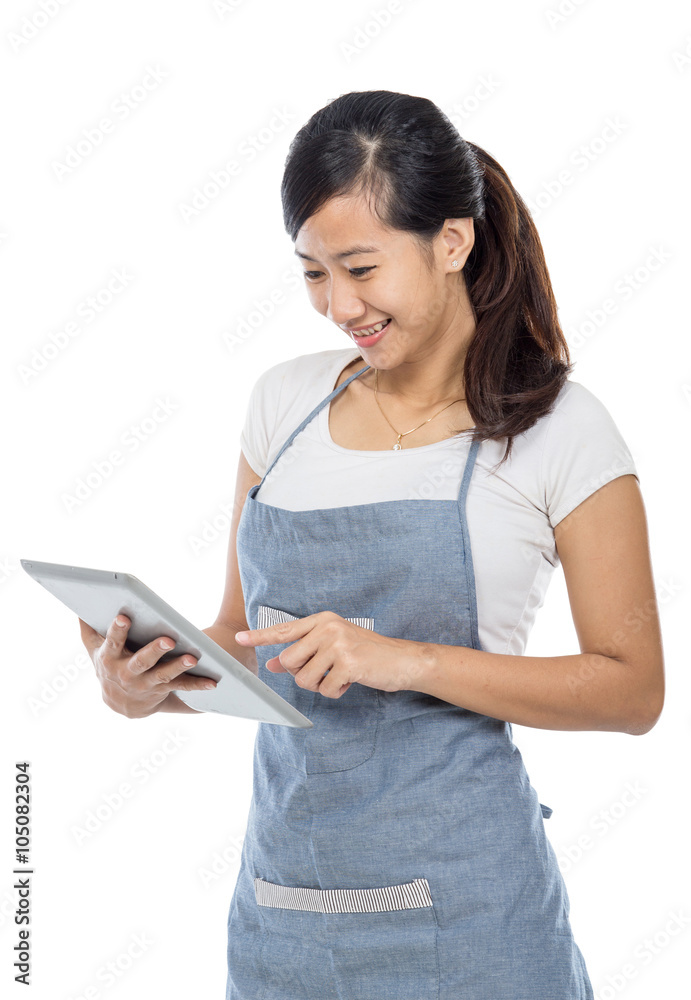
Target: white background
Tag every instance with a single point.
(529, 84)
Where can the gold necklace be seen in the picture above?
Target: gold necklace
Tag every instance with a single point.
(397, 446)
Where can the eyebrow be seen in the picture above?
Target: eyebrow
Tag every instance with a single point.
(346, 253)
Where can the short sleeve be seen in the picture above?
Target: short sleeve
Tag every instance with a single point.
(260, 419)
(583, 450)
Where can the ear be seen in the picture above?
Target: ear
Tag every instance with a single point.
(459, 238)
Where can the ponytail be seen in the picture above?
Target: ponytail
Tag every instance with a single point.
(518, 359)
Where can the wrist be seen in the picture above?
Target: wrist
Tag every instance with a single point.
(421, 666)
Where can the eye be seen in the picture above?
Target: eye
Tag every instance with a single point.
(357, 272)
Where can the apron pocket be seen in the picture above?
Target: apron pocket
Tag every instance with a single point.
(267, 616)
(409, 896)
(345, 729)
(373, 944)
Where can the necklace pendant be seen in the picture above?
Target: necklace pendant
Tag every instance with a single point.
(396, 447)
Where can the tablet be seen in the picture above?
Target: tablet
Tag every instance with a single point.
(98, 595)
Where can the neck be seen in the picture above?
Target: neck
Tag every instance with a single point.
(425, 378)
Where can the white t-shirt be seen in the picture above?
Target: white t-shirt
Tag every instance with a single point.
(555, 465)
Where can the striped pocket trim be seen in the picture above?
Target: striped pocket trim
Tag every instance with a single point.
(272, 616)
(409, 896)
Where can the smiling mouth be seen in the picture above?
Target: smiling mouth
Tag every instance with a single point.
(355, 333)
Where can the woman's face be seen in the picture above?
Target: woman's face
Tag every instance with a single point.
(359, 273)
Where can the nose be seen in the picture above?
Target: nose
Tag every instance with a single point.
(344, 305)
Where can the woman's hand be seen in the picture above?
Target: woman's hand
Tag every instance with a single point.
(132, 683)
(331, 653)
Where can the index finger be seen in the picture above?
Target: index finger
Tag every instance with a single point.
(276, 634)
(115, 634)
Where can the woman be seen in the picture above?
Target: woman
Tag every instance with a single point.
(397, 849)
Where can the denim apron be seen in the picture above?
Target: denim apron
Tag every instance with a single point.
(396, 850)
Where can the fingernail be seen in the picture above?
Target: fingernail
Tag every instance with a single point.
(120, 621)
(241, 635)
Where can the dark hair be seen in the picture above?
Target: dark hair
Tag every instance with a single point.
(408, 158)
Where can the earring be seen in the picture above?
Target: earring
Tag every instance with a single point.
(455, 264)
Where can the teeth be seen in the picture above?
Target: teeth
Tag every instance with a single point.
(372, 329)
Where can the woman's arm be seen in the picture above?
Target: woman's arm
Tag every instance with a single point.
(616, 683)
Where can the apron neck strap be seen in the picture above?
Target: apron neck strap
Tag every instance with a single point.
(315, 411)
